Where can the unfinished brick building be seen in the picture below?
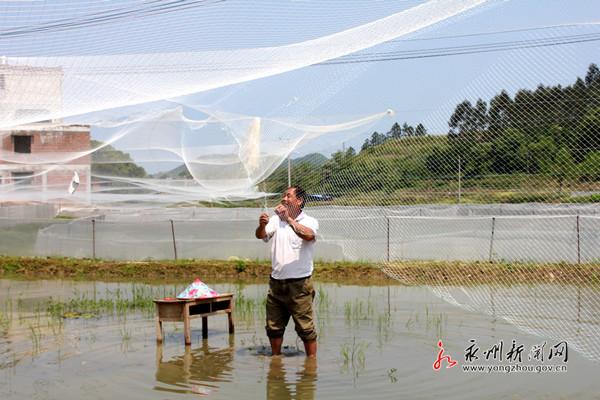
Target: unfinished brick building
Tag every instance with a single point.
(40, 156)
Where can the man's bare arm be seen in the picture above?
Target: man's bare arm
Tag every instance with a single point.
(302, 231)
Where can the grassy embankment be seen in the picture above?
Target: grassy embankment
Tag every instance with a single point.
(212, 271)
(409, 183)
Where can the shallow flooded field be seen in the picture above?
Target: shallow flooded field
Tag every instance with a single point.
(95, 340)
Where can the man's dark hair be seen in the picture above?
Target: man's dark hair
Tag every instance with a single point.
(300, 194)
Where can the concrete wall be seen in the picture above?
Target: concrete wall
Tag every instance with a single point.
(26, 89)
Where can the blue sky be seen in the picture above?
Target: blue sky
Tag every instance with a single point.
(426, 90)
(421, 90)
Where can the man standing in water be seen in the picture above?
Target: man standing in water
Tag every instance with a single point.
(291, 290)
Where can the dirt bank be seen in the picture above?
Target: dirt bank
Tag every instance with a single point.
(408, 273)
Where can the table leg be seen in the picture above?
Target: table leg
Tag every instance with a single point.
(159, 332)
(204, 327)
(187, 330)
(231, 327)
(159, 354)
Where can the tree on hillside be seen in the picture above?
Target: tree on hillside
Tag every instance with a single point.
(112, 162)
(420, 130)
(396, 131)
(589, 169)
(499, 115)
(365, 145)
(469, 122)
(592, 82)
(539, 155)
(564, 167)
(588, 134)
(408, 130)
(592, 77)
(506, 155)
(377, 139)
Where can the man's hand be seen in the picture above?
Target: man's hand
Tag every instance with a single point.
(282, 212)
(263, 220)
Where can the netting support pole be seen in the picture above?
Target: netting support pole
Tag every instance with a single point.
(459, 183)
(173, 235)
(389, 304)
(578, 243)
(93, 239)
(289, 171)
(492, 239)
(578, 303)
(388, 238)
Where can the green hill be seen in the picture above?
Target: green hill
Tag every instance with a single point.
(112, 162)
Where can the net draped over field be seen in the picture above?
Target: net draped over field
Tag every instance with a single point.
(221, 103)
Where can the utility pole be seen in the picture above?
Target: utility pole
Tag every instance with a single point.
(289, 172)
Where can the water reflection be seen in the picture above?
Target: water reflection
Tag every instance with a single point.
(557, 311)
(301, 388)
(375, 343)
(196, 371)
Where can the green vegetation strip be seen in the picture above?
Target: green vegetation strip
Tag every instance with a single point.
(175, 271)
(213, 271)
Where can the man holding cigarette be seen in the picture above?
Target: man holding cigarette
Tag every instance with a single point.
(291, 292)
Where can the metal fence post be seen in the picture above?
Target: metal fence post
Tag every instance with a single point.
(173, 235)
(578, 243)
(459, 183)
(93, 238)
(492, 238)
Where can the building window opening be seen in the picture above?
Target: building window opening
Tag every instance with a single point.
(22, 144)
(22, 178)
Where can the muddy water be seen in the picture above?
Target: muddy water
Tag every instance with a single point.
(374, 342)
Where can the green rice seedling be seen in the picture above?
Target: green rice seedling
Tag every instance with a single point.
(248, 309)
(322, 299)
(358, 310)
(35, 336)
(392, 375)
(354, 357)
(56, 325)
(409, 322)
(440, 324)
(348, 311)
(4, 322)
(126, 336)
(436, 323)
(384, 328)
(125, 333)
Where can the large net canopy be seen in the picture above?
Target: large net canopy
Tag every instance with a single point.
(70, 61)
(483, 183)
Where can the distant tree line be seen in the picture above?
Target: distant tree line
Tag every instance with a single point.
(396, 132)
(552, 131)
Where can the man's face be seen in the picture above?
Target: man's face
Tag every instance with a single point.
(290, 200)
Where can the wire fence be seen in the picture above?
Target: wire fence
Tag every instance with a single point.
(379, 238)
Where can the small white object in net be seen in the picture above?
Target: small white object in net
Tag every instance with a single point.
(74, 183)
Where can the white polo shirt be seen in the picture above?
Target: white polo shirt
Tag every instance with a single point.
(291, 256)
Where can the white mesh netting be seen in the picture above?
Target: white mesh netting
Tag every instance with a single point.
(486, 189)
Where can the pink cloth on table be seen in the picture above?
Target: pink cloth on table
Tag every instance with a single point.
(197, 290)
